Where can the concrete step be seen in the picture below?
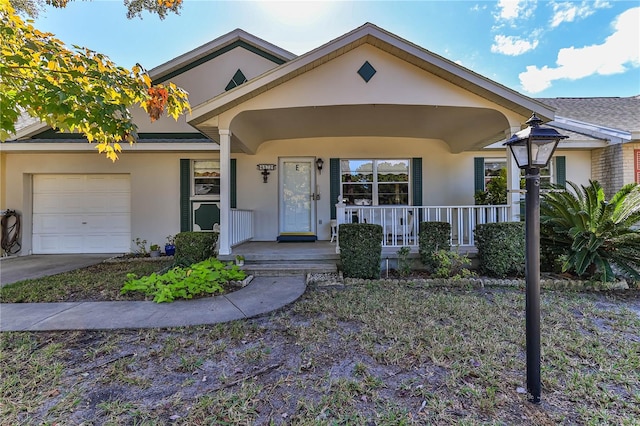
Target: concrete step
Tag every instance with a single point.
(280, 269)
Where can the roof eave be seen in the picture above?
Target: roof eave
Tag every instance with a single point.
(219, 43)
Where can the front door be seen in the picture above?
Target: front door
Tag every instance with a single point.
(297, 198)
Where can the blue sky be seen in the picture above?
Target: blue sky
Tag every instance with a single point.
(539, 48)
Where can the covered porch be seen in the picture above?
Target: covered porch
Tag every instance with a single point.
(372, 99)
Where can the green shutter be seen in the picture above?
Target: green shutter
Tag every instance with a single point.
(185, 192)
(478, 174)
(416, 181)
(561, 170)
(232, 184)
(334, 184)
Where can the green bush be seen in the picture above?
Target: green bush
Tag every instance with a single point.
(501, 248)
(591, 235)
(433, 236)
(206, 277)
(451, 265)
(194, 247)
(360, 249)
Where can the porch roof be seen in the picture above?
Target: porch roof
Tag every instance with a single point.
(510, 108)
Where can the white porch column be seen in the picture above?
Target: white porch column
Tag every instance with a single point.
(225, 191)
(513, 181)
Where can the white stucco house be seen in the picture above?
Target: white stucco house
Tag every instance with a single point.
(396, 133)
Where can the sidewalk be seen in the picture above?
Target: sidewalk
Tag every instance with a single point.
(262, 295)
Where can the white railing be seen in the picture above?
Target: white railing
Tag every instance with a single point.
(401, 225)
(241, 226)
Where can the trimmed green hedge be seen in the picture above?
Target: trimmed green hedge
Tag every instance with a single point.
(360, 249)
(433, 236)
(194, 247)
(501, 248)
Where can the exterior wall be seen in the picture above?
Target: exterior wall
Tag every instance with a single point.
(3, 180)
(203, 83)
(628, 162)
(608, 168)
(155, 186)
(614, 167)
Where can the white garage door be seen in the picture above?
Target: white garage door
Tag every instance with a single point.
(81, 214)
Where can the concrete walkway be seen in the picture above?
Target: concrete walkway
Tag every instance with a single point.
(262, 295)
(20, 268)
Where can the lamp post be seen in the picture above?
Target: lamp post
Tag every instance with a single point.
(532, 149)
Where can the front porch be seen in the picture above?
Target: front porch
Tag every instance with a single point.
(400, 225)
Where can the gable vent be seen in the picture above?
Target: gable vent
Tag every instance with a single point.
(367, 71)
(237, 80)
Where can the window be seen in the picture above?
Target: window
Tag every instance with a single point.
(375, 182)
(493, 168)
(205, 175)
(637, 163)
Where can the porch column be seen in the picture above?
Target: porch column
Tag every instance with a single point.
(513, 181)
(225, 191)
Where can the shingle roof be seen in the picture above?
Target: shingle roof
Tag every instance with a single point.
(617, 113)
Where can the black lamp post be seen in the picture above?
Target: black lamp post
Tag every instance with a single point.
(532, 149)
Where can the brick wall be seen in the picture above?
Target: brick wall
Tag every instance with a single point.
(607, 167)
(614, 166)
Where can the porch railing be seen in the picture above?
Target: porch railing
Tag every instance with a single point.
(241, 229)
(400, 225)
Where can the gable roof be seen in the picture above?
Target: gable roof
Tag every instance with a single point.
(214, 48)
(28, 126)
(386, 41)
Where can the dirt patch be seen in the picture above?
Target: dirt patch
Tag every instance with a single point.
(362, 354)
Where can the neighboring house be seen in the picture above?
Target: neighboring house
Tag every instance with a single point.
(403, 134)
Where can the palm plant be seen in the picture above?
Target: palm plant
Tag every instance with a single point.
(593, 233)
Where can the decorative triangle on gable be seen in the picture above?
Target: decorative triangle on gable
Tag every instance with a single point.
(237, 80)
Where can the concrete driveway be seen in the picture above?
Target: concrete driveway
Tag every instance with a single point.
(40, 265)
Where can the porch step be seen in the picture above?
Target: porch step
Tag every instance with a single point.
(291, 268)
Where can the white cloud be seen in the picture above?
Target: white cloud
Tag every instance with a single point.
(510, 10)
(569, 12)
(512, 45)
(619, 52)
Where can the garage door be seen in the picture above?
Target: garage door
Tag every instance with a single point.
(81, 214)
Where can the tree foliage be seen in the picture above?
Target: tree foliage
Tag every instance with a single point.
(592, 233)
(74, 90)
(134, 7)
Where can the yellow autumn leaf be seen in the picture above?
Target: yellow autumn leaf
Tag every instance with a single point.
(147, 80)
(117, 147)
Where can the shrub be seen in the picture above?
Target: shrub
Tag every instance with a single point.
(194, 247)
(360, 249)
(206, 277)
(501, 248)
(595, 234)
(451, 264)
(496, 192)
(434, 236)
(404, 263)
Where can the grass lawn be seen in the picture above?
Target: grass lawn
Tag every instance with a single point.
(101, 282)
(365, 354)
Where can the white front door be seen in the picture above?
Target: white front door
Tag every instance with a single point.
(297, 196)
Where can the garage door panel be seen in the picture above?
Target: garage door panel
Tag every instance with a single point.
(95, 243)
(117, 223)
(81, 214)
(58, 203)
(115, 203)
(58, 223)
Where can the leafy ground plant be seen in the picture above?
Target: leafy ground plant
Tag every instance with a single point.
(101, 282)
(595, 234)
(202, 278)
(383, 354)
